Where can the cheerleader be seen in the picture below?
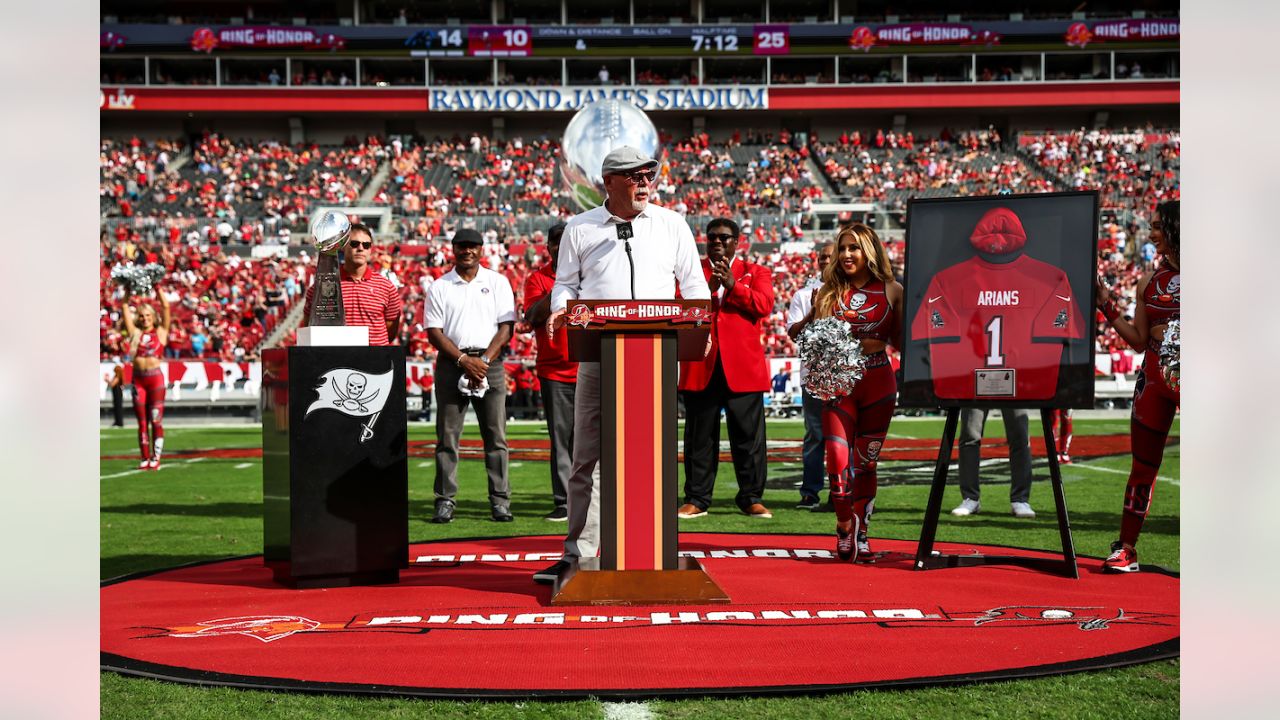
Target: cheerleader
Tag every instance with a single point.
(147, 339)
(859, 288)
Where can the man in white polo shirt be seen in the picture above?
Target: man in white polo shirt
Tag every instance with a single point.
(470, 312)
(594, 263)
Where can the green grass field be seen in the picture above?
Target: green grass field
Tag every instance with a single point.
(208, 508)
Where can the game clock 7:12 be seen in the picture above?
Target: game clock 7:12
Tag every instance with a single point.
(715, 40)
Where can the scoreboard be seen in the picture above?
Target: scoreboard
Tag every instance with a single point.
(483, 41)
(625, 41)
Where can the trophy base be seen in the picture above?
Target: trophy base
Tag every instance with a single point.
(333, 336)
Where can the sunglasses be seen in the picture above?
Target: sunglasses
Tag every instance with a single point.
(356, 244)
(636, 178)
(722, 237)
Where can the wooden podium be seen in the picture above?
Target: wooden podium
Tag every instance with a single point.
(638, 344)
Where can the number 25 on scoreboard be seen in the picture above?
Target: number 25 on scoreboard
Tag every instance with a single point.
(771, 40)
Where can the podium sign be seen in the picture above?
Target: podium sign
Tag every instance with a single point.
(638, 344)
(335, 465)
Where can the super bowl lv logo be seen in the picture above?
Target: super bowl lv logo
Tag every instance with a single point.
(355, 393)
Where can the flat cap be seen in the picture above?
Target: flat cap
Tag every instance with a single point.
(467, 236)
(625, 158)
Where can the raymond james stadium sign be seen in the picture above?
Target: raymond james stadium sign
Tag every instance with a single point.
(475, 99)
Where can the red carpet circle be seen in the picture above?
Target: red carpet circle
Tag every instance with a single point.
(466, 620)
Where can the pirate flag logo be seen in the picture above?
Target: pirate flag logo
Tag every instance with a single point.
(355, 393)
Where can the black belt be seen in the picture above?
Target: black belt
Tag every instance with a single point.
(473, 352)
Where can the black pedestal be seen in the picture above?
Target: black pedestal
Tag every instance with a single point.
(335, 478)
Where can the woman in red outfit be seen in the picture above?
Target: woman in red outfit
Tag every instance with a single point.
(859, 288)
(1154, 402)
(147, 339)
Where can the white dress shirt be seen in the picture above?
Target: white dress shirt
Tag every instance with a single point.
(469, 312)
(801, 303)
(593, 261)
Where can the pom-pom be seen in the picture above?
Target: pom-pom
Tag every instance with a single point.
(833, 360)
(1171, 354)
(140, 279)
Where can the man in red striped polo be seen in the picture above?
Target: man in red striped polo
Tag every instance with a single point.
(369, 298)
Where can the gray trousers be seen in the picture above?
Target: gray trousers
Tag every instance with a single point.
(557, 401)
(491, 411)
(815, 472)
(972, 422)
(582, 538)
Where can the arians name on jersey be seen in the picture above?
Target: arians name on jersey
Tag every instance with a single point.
(998, 298)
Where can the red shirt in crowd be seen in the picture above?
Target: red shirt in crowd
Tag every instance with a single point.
(371, 301)
(553, 351)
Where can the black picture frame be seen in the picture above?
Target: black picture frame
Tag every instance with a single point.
(1062, 231)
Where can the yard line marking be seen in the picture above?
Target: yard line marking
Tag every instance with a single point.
(425, 464)
(1161, 478)
(627, 711)
(242, 466)
(517, 464)
(119, 474)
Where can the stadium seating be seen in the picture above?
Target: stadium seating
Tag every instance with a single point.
(253, 192)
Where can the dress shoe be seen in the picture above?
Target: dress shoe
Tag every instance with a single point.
(549, 575)
(689, 510)
(444, 512)
(758, 510)
(501, 514)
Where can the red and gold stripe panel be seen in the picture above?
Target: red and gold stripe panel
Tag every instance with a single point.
(638, 522)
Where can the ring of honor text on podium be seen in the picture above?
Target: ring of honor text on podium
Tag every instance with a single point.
(335, 445)
(639, 344)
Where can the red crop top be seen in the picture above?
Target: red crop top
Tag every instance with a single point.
(867, 311)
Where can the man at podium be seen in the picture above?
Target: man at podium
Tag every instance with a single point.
(625, 249)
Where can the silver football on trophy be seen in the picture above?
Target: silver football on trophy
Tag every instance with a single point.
(329, 231)
(595, 130)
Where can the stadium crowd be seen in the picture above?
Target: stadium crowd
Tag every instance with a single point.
(181, 213)
(223, 305)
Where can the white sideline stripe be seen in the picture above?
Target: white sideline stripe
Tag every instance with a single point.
(425, 464)
(242, 466)
(136, 471)
(1086, 466)
(627, 711)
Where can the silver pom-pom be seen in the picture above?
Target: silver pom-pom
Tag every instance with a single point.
(140, 279)
(833, 360)
(1171, 354)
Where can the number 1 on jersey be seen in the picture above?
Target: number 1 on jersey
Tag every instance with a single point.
(995, 356)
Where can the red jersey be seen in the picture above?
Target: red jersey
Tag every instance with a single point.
(867, 311)
(1163, 295)
(553, 361)
(371, 301)
(997, 331)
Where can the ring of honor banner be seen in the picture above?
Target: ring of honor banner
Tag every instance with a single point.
(999, 306)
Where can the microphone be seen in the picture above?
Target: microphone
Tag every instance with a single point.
(625, 233)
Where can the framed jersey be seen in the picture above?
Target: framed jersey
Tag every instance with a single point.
(999, 301)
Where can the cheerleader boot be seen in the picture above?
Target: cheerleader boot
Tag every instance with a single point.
(842, 500)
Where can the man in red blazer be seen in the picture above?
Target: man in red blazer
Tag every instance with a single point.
(733, 376)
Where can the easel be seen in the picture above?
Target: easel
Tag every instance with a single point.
(926, 559)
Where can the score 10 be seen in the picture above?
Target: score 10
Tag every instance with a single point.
(765, 40)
